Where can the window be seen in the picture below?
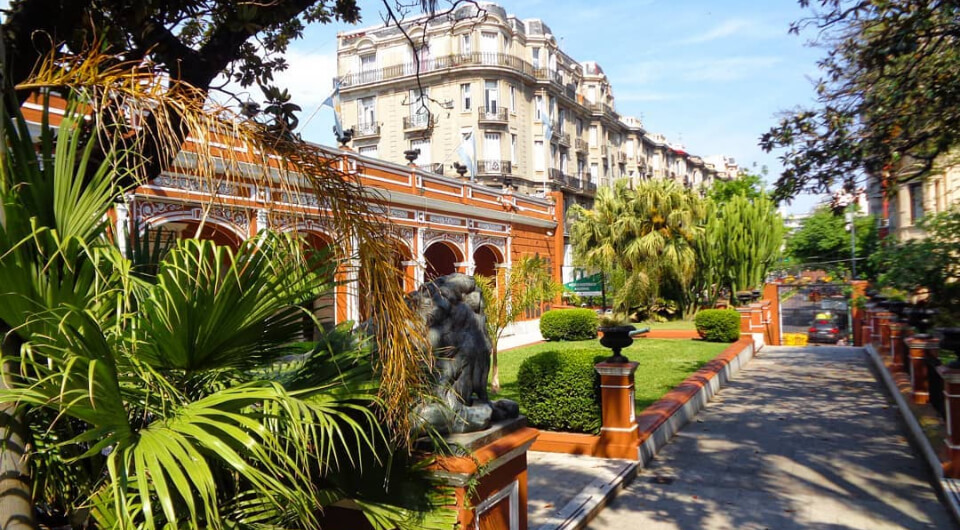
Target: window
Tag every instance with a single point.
(488, 42)
(553, 108)
(538, 104)
(561, 120)
(419, 113)
(490, 96)
(465, 96)
(513, 149)
(593, 136)
(368, 67)
(538, 155)
(564, 157)
(630, 148)
(423, 145)
(916, 202)
(536, 57)
(579, 127)
(513, 99)
(491, 146)
(367, 112)
(465, 44)
(581, 165)
(368, 150)
(593, 171)
(592, 93)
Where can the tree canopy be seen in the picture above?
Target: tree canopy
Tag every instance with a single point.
(748, 185)
(888, 101)
(823, 242)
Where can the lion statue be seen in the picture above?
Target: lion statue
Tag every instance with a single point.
(452, 308)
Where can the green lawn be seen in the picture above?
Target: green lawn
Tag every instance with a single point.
(663, 364)
(673, 324)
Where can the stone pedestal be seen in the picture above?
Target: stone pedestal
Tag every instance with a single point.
(619, 434)
(866, 331)
(919, 348)
(951, 415)
(898, 349)
(496, 463)
(875, 326)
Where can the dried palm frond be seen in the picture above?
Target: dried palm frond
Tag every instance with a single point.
(177, 126)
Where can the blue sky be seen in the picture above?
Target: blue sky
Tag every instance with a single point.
(711, 75)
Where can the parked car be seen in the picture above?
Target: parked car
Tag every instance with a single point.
(824, 331)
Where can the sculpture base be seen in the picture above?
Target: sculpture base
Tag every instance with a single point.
(496, 467)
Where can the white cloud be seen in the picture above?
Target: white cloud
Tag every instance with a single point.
(696, 71)
(309, 76)
(727, 28)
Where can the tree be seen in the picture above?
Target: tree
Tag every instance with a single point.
(740, 243)
(823, 242)
(528, 283)
(746, 184)
(926, 265)
(888, 100)
(177, 398)
(648, 233)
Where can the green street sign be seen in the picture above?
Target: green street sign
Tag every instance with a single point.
(586, 286)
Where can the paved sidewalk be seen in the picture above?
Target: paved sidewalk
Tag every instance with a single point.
(802, 438)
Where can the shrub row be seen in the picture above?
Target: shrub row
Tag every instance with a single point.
(569, 324)
(718, 325)
(561, 392)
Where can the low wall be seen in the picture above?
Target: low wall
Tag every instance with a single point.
(659, 422)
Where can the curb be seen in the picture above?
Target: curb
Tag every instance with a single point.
(588, 503)
(948, 488)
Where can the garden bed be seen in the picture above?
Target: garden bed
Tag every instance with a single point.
(663, 363)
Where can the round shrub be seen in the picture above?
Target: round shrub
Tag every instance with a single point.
(718, 325)
(561, 392)
(569, 324)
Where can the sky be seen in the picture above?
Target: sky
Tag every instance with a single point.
(711, 75)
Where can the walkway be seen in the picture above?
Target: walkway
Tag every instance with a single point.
(802, 438)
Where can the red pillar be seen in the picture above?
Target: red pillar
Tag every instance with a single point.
(919, 348)
(898, 349)
(884, 320)
(951, 415)
(619, 434)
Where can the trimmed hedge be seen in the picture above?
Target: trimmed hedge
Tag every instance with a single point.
(569, 324)
(561, 391)
(718, 325)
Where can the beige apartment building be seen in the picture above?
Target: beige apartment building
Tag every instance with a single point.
(902, 211)
(538, 119)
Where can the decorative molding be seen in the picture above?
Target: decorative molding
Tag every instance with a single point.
(500, 243)
(435, 236)
(445, 220)
(151, 211)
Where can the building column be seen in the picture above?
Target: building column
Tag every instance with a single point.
(262, 222)
(352, 282)
(421, 262)
(897, 347)
(410, 268)
(122, 226)
(619, 433)
(469, 264)
(884, 320)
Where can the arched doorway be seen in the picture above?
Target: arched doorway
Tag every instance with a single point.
(320, 247)
(485, 260)
(441, 259)
(210, 230)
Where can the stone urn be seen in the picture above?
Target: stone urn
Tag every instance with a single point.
(616, 338)
(951, 342)
(897, 307)
(921, 318)
(744, 297)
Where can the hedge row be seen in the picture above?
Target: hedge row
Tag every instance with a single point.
(561, 392)
(569, 324)
(718, 325)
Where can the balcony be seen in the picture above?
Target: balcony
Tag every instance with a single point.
(435, 168)
(604, 150)
(563, 138)
(545, 74)
(590, 187)
(622, 157)
(418, 122)
(495, 116)
(366, 130)
(494, 167)
(434, 64)
(580, 145)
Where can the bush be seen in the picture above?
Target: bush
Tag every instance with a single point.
(561, 392)
(718, 325)
(569, 324)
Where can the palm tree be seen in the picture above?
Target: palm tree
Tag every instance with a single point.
(180, 398)
(528, 283)
(646, 231)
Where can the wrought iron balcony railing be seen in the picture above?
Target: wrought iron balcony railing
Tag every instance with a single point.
(494, 167)
(364, 130)
(420, 120)
(493, 115)
(435, 167)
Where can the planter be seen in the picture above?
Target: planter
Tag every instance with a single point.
(616, 338)
(744, 297)
(921, 318)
